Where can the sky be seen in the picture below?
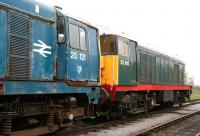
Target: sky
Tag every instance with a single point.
(168, 26)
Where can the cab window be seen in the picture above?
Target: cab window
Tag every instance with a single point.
(123, 48)
(74, 36)
(82, 39)
(61, 30)
(77, 37)
(108, 45)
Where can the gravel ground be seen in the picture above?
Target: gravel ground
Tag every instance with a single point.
(134, 127)
(188, 127)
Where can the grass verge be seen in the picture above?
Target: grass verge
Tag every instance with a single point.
(195, 93)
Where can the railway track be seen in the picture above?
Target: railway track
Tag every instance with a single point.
(178, 126)
(186, 127)
(84, 129)
(166, 124)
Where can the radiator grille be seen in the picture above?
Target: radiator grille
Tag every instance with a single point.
(19, 46)
(142, 68)
(176, 73)
(153, 69)
(147, 68)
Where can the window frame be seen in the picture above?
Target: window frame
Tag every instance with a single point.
(127, 49)
(70, 37)
(85, 39)
(79, 40)
(103, 44)
(122, 45)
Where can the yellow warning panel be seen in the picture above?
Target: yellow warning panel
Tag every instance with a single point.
(109, 69)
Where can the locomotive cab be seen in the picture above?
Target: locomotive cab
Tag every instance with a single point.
(77, 52)
(119, 54)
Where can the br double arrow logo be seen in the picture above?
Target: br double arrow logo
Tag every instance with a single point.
(43, 48)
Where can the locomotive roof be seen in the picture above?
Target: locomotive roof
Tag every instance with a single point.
(33, 7)
(36, 8)
(145, 49)
(78, 19)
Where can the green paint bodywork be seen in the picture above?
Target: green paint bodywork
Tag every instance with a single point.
(145, 66)
(158, 68)
(128, 66)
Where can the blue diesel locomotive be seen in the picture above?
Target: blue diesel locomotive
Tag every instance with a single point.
(49, 68)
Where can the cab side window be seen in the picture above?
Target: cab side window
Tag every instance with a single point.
(77, 37)
(123, 48)
(126, 49)
(74, 36)
(82, 39)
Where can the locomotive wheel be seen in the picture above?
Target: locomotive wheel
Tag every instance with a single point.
(112, 115)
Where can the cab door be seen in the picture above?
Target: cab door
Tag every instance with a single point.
(77, 53)
(124, 61)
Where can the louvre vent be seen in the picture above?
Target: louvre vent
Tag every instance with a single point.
(142, 68)
(147, 68)
(153, 69)
(19, 46)
(176, 73)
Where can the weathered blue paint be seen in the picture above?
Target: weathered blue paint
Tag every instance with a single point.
(61, 62)
(3, 42)
(77, 69)
(49, 62)
(94, 54)
(43, 61)
(78, 61)
(61, 65)
(25, 88)
(31, 6)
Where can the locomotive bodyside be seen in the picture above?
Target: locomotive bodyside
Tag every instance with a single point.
(157, 68)
(49, 67)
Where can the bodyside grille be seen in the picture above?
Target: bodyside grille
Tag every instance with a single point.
(147, 68)
(19, 34)
(142, 68)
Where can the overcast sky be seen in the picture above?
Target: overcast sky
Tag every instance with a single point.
(169, 26)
